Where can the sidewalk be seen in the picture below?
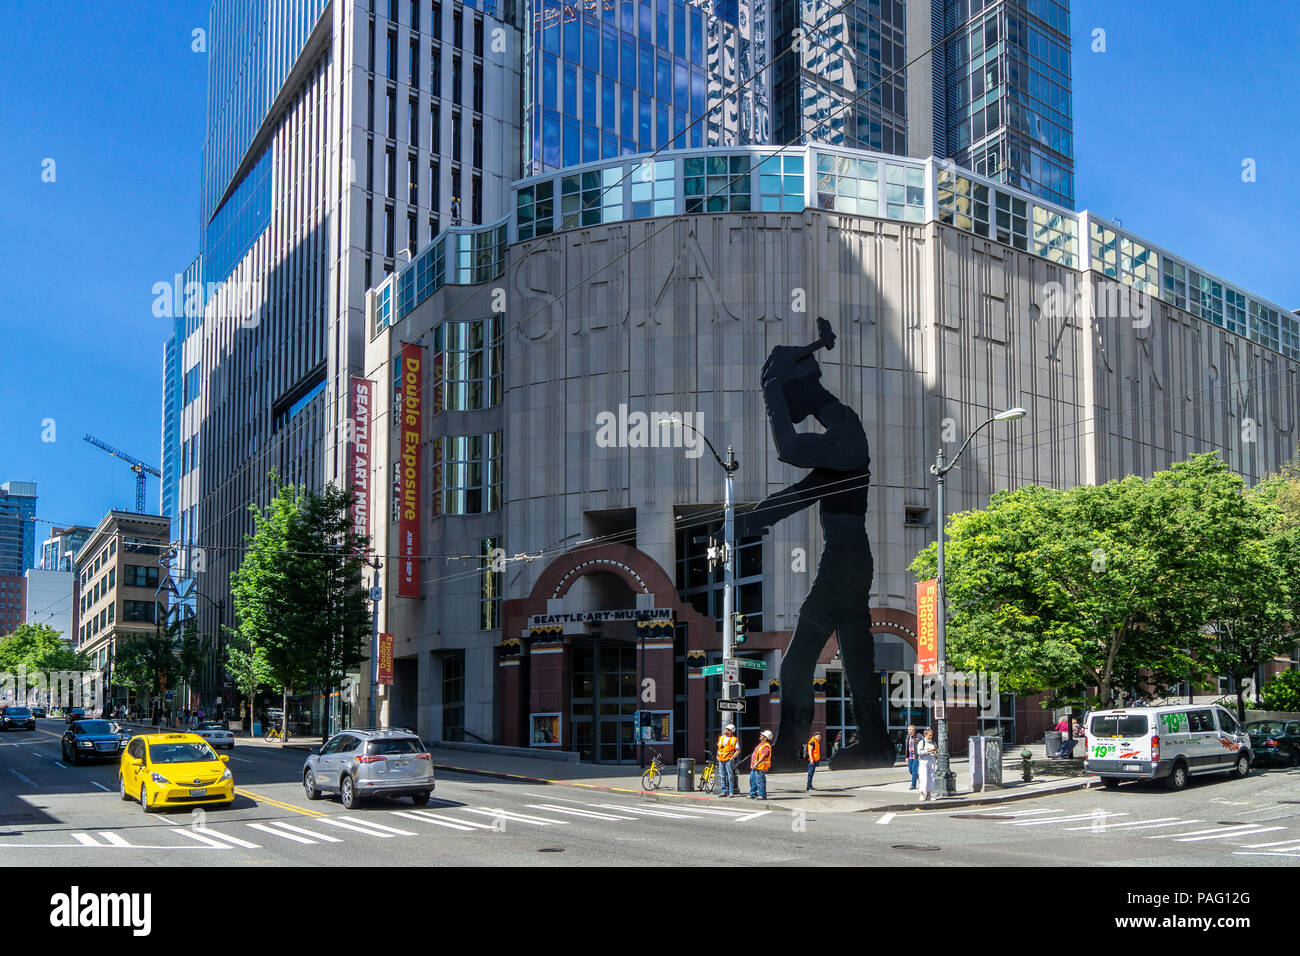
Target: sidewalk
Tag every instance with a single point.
(884, 790)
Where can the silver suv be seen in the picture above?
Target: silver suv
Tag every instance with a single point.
(358, 763)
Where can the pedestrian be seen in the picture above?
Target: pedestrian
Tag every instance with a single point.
(728, 749)
(835, 745)
(925, 752)
(759, 762)
(913, 762)
(814, 751)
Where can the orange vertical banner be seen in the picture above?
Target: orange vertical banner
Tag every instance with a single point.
(927, 627)
(385, 658)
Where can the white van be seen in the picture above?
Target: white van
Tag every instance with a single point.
(1170, 743)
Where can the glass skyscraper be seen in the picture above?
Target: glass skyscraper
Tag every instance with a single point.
(605, 78)
(17, 526)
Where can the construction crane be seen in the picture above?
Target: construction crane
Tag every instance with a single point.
(139, 467)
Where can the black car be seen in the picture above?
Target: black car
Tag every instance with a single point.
(1275, 741)
(17, 718)
(38, 711)
(94, 740)
(76, 713)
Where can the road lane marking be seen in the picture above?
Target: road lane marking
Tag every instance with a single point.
(572, 811)
(473, 824)
(114, 839)
(348, 826)
(718, 812)
(378, 826)
(1257, 846)
(1136, 824)
(280, 824)
(276, 803)
(25, 780)
(885, 819)
(1100, 815)
(516, 817)
(208, 831)
(204, 838)
(461, 825)
(1173, 836)
(240, 759)
(287, 836)
(751, 816)
(101, 786)
(1009, 813)
(1226, 836)
(85, 839)
(644, 811)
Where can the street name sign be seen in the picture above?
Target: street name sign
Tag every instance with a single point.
(734, 705)
(752, 665)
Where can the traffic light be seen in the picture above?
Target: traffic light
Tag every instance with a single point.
(738, 632)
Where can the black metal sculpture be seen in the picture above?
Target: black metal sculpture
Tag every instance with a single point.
(839, 599)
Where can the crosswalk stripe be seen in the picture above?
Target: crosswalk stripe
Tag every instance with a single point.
(1174, 836)
(1009, 813)
(464, 827)
(101, 786)
(885, 819)
(1272, 853)
(348, 826)
(712, 810)
(203, 838)
(208, 831)
(591, 814)
(1136, 824)
(288, 836)
(465, 823)
(1226, 836)
(643, 811)
(114, 839)
(1260, 846)
(85, 839)
(751, 816)
(281, 825)
(378, 826)
(1102, 815)
(517, 817)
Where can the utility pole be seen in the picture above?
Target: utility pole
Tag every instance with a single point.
(376, 595)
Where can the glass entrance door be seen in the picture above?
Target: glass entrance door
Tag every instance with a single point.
(604, 700)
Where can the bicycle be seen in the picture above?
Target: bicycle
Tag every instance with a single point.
(274, 733)
(708, 775)
(653, 775)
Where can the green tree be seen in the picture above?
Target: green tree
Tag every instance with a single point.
(248, 666)
(300, 607)
(147, 663)
(1282, 692)
(1106, 586)
(191, 651)
(39, 650)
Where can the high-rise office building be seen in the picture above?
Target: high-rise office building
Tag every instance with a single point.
(59, 550)
(342, 137)
(605, 78)
(17, 526)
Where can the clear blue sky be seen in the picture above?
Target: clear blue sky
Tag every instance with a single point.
(111, 91)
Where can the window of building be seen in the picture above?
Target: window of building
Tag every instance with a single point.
(471, 473)
(535, 209)
(1012, 220)
(453, 696)
(138, 611)
(472, 363)
(653, 188)
(489, 591)
(701, 583)
(846, 184)
(139, 577)
(1056, 237)
(1175, 283)
(413, 120)
(716, 183)
(591, 198)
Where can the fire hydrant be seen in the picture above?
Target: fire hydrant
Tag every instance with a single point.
(1026, 765)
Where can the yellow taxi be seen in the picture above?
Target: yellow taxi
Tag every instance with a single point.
(173, 770)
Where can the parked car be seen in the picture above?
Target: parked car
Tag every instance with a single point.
(215, 734)
(362, 763)
(17, 718)
(75, 713)
(1275, 741)
(169, 770)
(94, 739)
(1170, 743)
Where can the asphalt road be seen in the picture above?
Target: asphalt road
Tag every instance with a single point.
(57, 815)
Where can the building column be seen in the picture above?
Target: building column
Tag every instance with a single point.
(550, 688)
(511, 694)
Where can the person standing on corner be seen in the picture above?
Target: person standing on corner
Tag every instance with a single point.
(814, 751)
(927, 751)
(913, 763)
(759, 762)
(728, 748)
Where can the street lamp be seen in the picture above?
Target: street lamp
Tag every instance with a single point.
(729, 467)
(943, 773)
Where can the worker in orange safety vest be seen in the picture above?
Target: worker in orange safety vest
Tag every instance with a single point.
(814, 752)
(728, 750)
(759, 763)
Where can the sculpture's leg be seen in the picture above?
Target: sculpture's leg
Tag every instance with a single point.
(858, 651)
(797, 667)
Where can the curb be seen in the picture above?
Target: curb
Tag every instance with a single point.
(977, 802)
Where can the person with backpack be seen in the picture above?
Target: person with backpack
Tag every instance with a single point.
(759, 763)
(728, 750)
(813, 751)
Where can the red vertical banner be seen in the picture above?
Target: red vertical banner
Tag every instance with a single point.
(927, 627)
(437, 477)
(408, 526)
(363, 392)
(385, 658)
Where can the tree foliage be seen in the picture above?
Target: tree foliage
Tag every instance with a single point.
(39, 649)
(1111, 586)
(1282, 692)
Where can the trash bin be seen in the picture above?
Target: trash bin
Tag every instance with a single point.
(686, 774)
(1052, 741)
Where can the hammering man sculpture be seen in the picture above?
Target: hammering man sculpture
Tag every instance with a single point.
(838, 601)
